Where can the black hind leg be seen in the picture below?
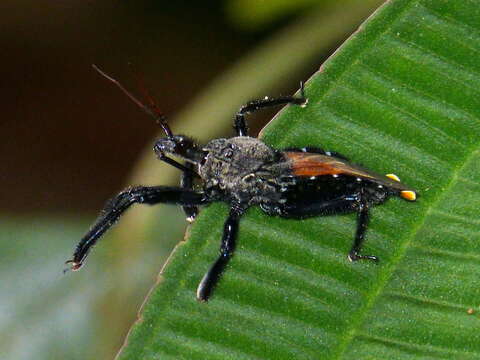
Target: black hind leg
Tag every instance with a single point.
(362, 223)
(340, 205)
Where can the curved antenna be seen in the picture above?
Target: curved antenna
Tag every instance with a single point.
(151, 109)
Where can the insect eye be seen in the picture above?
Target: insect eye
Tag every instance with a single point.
(181, 141)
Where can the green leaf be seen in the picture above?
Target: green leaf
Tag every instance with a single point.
(400, 96)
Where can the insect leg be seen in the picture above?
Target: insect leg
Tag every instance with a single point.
(310, 208)
(227, 248)
(186, 182)
(337, 206)
(240, 124)
(362, 223)
(116, 206)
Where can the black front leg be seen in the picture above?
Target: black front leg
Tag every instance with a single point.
(117, 206)
(362, 223)
(186, 182)
(240, 124)
(227, 248)
(176, 164)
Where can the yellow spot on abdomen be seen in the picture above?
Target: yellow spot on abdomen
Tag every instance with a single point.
(408, 195)
(393, 177)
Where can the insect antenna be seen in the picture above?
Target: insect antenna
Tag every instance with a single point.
(151, 109)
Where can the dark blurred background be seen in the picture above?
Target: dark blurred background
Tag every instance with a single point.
(70, 140)
(69, 137)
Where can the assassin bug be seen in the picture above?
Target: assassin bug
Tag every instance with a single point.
(243, 171)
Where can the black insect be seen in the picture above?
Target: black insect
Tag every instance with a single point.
(243, 171)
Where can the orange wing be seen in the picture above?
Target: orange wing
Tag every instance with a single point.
(311, 164)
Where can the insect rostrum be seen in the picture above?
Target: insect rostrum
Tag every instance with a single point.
(243, 172)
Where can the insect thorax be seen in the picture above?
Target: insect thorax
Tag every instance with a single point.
(241, 169)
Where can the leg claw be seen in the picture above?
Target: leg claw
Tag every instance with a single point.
(355, 256)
